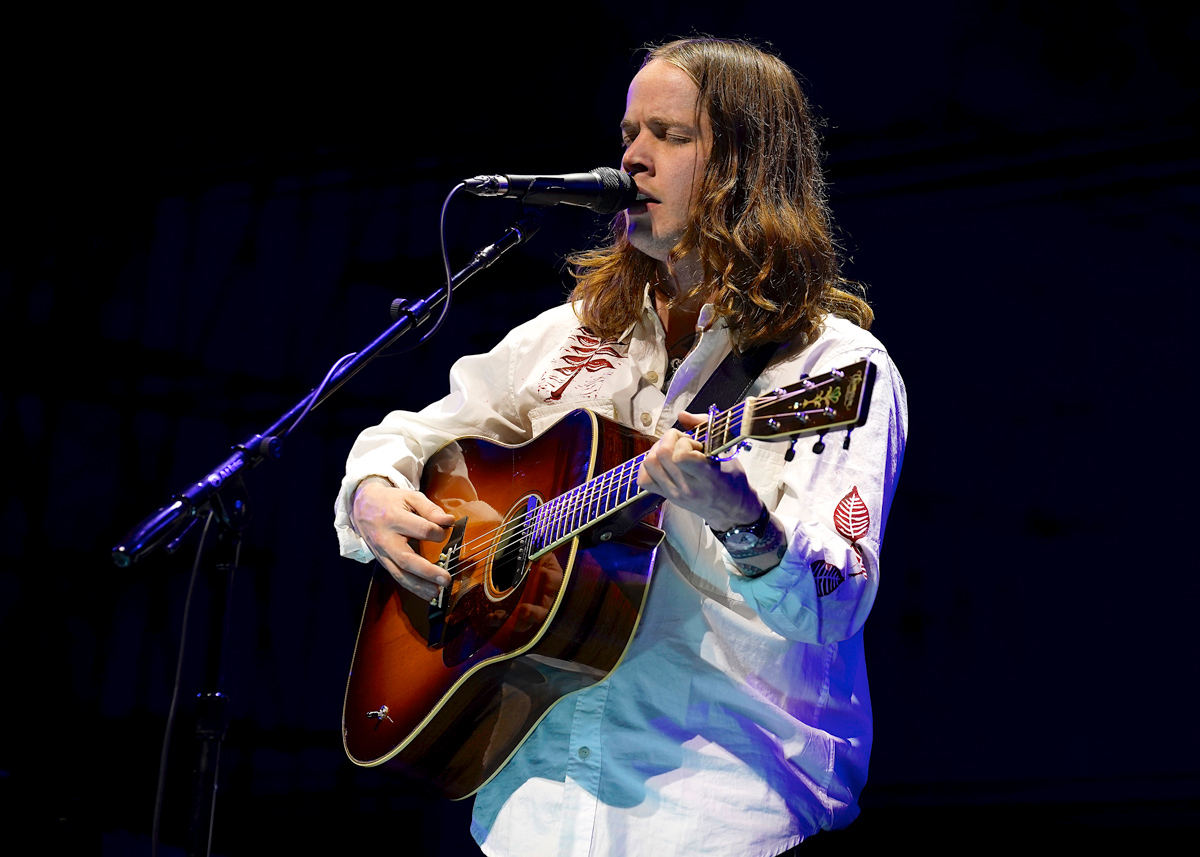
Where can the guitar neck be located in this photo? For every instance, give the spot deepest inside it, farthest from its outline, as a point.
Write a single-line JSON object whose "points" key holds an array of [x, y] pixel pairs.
{"points": [[559, 520], [838, 399]]}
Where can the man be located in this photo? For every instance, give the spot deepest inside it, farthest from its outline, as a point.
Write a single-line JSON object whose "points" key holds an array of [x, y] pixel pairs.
{"points": [[738, 721]]}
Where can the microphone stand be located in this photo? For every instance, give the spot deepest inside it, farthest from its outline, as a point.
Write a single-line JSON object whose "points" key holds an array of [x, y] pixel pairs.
{"points": [[222, 493]]}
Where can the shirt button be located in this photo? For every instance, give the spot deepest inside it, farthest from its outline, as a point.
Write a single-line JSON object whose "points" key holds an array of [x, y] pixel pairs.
{"points": [[584, 752], [645, 419], [652, 377]]}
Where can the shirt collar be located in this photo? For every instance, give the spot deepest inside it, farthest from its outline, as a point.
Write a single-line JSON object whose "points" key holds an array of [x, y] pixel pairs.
{"points": [[707, 320]]}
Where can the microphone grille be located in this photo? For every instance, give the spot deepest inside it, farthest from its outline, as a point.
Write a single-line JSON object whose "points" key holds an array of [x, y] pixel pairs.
{"points": [[618, 191]]}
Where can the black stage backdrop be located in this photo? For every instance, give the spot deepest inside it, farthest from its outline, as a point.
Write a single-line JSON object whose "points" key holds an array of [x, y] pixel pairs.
{"points": [[203, 213]]}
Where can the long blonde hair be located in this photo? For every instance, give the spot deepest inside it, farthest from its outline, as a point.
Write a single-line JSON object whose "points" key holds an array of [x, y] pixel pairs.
{"points": [[759, 224]]}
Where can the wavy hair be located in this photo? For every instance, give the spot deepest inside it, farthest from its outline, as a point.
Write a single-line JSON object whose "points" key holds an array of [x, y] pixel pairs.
{"points": [[759, 222]]}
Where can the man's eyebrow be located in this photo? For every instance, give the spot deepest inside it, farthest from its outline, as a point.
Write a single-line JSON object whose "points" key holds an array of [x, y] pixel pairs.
{"points": [[660, 123]]}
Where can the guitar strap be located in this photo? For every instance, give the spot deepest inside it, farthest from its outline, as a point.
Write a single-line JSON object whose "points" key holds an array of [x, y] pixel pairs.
{"points": [[732, 379]]}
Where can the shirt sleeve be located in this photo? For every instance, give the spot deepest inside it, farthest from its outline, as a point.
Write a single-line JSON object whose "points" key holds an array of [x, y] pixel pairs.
{"points": [[834, 506], [480, 403]]}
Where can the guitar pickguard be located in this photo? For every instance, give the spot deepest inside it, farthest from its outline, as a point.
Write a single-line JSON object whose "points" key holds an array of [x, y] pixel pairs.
{"points": [[487, 583], [440, 605]]}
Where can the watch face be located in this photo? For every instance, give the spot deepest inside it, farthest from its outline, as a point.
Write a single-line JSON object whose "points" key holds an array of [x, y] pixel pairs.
{"points": [[741, 540]]}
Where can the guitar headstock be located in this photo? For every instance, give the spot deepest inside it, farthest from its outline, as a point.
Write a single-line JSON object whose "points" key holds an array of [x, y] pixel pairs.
{"points": [[838, 399]]}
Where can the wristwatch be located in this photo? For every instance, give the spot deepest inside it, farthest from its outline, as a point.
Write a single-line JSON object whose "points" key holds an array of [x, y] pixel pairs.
{"points": [[745, 538]]}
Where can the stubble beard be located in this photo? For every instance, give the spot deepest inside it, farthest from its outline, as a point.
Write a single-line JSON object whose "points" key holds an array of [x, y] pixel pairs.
{"points": [[641, 237]]}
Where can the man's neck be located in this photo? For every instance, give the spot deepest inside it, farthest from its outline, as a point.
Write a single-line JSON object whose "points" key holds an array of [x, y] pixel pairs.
{"points": [[687, 274], [677, 312]]}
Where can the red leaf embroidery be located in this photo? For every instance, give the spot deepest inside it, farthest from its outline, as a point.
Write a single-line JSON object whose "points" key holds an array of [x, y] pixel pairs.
{"points": [[852, 517], [585, 354]]}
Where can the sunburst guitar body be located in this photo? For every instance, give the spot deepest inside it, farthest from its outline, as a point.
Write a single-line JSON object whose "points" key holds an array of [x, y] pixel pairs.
{"points": [[448, 695]]}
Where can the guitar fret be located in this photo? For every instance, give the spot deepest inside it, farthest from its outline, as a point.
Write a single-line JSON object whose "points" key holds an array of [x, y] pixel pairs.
{"points": [[543, 521], [594, 497], [598, 505], [576, 508], [589, 505], [581, 511], [568, 511], [629, 483], [801, 407], [556, 531], [605, 482]]}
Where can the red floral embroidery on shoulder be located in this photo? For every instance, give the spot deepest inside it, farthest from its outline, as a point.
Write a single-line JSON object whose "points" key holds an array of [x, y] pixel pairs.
{"points": [[852, 519], [581, 359]]}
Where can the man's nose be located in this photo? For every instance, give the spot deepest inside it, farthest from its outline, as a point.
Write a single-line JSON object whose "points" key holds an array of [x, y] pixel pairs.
{"points": [[635, 160]]}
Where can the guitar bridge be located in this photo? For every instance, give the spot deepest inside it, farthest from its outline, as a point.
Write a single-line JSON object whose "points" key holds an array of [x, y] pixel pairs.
{"points": [[439, 605]]}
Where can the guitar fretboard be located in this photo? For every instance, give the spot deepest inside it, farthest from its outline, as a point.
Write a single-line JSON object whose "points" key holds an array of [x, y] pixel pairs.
{"points": [[567, 515]]}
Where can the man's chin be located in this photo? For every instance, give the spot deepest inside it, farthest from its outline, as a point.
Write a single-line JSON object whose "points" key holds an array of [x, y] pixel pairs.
{"points": [[654, 247]]}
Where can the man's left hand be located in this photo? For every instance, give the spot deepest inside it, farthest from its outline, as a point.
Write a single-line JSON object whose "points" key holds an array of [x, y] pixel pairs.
{"points": [[677, 468]]}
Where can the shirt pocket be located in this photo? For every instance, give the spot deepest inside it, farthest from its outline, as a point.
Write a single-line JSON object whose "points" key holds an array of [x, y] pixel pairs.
{"points": [[541, 418]]}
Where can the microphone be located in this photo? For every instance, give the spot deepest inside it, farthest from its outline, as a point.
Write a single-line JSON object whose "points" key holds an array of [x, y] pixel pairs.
{"points": [[604, 190]]}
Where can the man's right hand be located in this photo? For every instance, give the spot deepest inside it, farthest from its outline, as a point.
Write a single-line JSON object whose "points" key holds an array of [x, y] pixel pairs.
{"points": [[386, 518]]}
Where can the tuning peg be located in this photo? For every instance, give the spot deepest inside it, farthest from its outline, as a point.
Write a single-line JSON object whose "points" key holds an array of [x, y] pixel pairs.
{"points": [[846, 442], [791, 453], [819, 446]]}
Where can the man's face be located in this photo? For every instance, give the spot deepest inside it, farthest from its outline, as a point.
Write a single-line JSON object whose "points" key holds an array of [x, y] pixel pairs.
{"points": [[666, 147]]}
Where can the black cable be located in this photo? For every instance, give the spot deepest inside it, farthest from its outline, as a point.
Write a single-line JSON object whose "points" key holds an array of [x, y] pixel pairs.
{"points": [[162, 765]]}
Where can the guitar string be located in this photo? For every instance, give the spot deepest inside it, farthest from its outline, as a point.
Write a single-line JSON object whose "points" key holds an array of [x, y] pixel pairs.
{"points": [[559, 511], [576, 499], [553, 517], [524, 526], [582, 500], [590, 493]]}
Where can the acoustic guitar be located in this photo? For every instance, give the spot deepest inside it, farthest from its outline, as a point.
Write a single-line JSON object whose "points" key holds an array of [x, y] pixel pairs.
{"points": [[550, 556]]}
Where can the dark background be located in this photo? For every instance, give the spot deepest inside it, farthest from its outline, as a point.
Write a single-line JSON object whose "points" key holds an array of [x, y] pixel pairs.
{"points": [[203, 213]]}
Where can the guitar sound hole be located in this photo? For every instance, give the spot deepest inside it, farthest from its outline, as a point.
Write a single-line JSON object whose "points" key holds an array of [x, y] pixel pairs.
{"points": [[479, 611], [509, 564]]}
